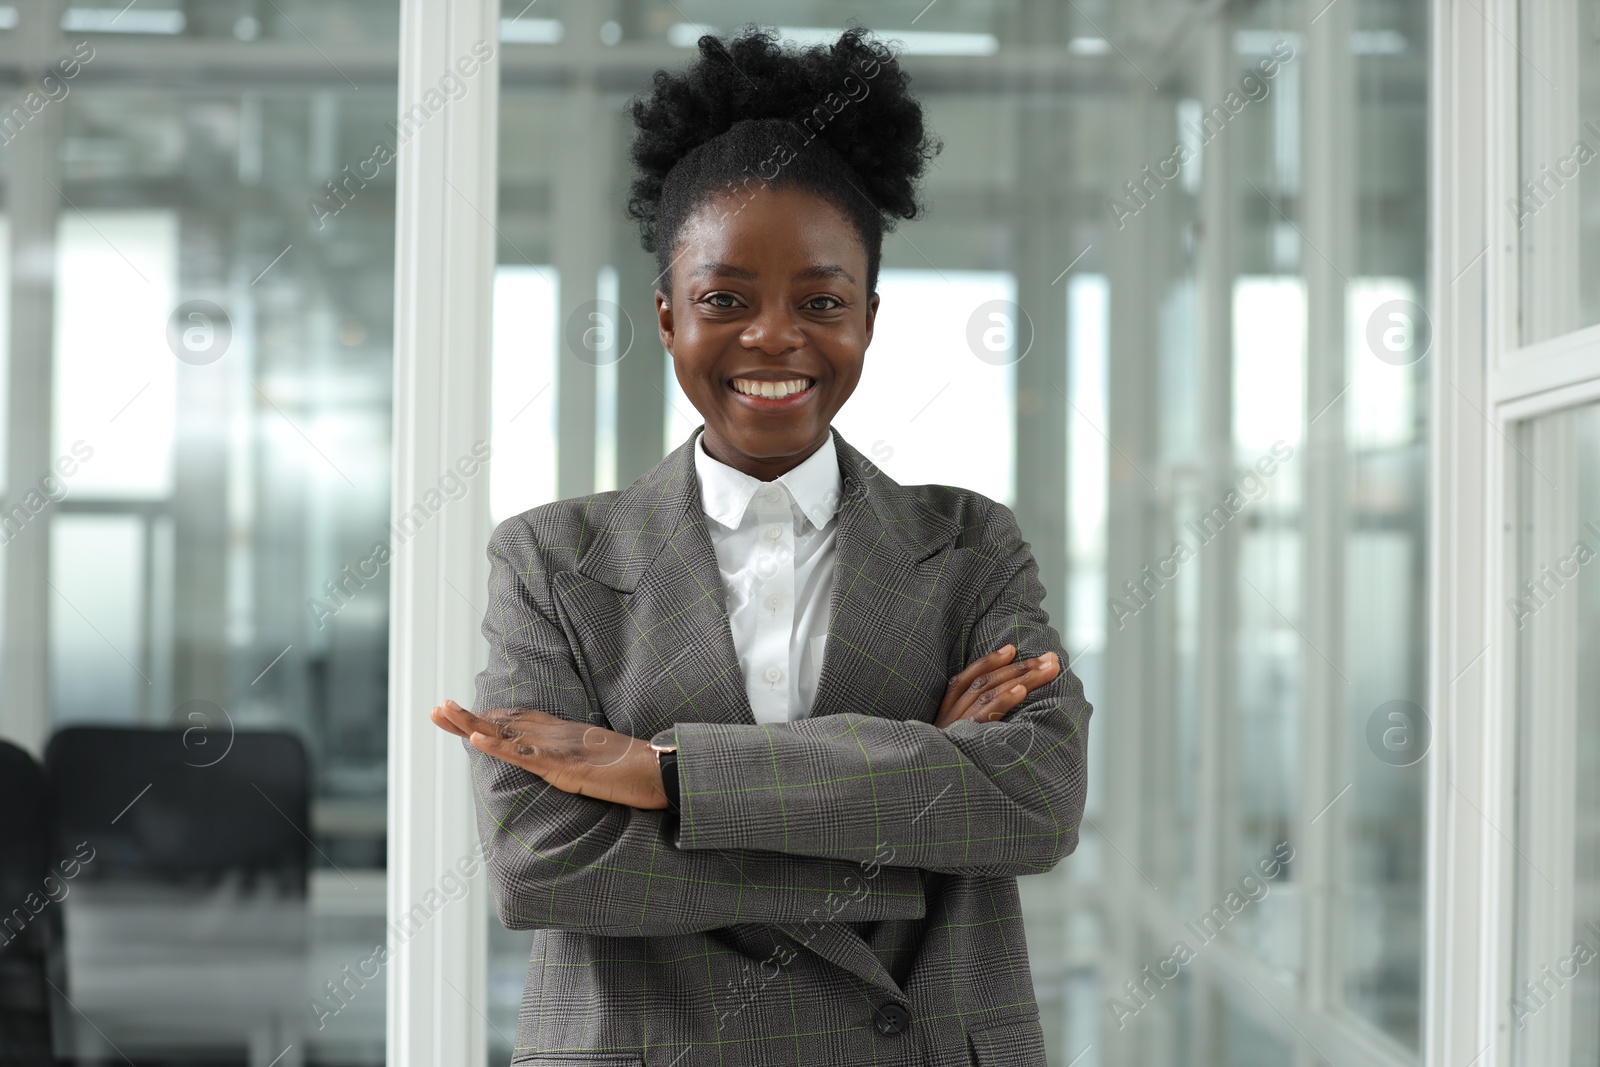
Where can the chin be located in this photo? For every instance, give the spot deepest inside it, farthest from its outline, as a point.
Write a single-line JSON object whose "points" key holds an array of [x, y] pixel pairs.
{"points": [[769, 442]]}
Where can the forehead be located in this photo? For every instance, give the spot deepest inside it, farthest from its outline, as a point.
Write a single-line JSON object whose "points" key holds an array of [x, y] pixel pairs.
{"points": [[763, 230]]}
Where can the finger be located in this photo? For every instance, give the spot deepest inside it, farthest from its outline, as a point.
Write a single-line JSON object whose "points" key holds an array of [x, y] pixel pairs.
{"points": [[464, 720], [445, 723], [1000, 677], [1005, 702], [531, 716], [998, 701], [493, 721], [1032, 673], [963, 680], [1039, 671], [994, 659], [520, 752]]}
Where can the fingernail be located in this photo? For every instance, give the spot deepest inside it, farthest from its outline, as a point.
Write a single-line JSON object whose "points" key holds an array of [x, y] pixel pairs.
{"points": [[1019, 689]]}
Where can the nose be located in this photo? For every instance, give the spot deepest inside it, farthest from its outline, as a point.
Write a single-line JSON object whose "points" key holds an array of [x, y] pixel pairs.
{"points": [[774, 330]]}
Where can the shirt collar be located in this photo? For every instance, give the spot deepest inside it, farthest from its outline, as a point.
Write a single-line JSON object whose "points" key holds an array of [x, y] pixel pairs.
{"points": [[726, 493]]}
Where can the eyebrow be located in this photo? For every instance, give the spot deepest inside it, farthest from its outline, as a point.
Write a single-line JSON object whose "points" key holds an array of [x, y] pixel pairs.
{"points": [[818, 272]]}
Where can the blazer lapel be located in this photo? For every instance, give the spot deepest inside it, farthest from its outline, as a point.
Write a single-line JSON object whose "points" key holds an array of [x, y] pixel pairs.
{"points": [[878, 651], [653, 544]]}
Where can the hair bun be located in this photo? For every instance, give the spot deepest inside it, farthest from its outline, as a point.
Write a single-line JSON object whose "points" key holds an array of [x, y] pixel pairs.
{"points": [[851, 94]]}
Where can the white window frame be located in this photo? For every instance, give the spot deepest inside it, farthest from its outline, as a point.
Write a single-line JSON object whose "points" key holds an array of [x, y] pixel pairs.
{"points": [[445, 203], [1487, 386]]}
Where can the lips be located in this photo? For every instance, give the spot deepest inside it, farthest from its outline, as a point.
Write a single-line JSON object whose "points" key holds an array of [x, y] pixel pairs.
{"points": [[773, 394]]}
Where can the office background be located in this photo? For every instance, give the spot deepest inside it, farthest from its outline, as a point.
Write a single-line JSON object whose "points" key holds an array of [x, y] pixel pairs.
{"points": [[1173, 303]]}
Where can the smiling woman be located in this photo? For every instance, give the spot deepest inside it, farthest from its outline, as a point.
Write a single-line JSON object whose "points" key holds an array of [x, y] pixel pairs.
{"points": [[767, 728]]}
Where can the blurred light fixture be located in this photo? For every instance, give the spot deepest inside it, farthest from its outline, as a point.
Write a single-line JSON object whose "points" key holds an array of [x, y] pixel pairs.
{"points": [[531, 31], [912, 42], [123, 20]]}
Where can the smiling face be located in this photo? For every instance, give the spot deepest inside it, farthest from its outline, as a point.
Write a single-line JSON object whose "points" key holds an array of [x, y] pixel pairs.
{"points": [[768, 324]]}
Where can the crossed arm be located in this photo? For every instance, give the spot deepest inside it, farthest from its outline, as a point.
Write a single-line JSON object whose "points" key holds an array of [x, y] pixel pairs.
{"points": [[571, 812]]}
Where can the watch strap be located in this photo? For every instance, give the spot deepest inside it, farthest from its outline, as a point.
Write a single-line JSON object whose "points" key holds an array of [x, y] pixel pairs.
{"points": [[668, 761]]}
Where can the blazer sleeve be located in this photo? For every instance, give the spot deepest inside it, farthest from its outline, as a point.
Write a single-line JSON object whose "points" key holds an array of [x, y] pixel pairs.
{"points": [[560, 860], [1000, 798]]}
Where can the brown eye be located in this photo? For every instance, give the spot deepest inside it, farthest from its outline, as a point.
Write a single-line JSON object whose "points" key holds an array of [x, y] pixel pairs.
{"points": [[837, 303], [721, 296]]}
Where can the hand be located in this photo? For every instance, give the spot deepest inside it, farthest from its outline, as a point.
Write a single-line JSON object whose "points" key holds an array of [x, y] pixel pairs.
{"points": [[990, 687], [574, 757]]}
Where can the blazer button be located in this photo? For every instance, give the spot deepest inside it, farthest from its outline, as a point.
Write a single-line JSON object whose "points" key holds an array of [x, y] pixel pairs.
{"points": [[892, 1018]]}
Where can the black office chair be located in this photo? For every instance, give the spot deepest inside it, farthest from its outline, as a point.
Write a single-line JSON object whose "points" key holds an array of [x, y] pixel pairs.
{"points": [[156, 808], [30, 919], [186, 929]]}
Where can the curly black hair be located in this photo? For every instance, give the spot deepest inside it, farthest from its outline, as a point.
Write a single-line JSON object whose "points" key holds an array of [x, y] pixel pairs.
{"points": [[834, 119]]}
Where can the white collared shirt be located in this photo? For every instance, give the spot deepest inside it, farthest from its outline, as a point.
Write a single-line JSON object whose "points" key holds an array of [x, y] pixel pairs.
{"points": [[776, 547]]}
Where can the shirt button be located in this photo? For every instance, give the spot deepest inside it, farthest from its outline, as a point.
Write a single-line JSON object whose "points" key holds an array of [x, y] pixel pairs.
{"points": [[774, 533], [771, 495], [774, 675], [891, 1018], [774, 602]]}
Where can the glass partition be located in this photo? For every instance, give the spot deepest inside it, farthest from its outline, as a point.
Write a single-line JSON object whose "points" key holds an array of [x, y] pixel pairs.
{"points": [[197, 535], [1556, 208], [1555, 615], [1215, 223]]}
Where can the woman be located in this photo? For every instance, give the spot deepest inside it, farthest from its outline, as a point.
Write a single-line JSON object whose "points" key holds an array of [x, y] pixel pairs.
{"points": [[765, 738]]}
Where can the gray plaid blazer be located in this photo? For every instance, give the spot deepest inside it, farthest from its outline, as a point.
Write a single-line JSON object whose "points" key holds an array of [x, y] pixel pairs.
{"points": [[840, 890]]}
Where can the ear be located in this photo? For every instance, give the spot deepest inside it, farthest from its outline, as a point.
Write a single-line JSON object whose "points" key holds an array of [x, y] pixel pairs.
{"points": [[872, 316], [664, 320]]}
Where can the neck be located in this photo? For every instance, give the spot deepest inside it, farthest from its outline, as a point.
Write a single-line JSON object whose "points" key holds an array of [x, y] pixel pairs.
{"points": [[761, 468]]}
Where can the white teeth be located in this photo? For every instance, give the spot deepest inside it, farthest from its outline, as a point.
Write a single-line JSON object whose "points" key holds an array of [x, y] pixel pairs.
{"points": [[772, 390]]}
